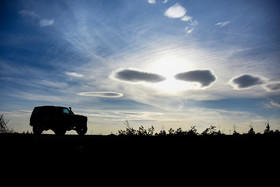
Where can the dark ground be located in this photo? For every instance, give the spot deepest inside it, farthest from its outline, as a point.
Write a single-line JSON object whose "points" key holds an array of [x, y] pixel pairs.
{"points": [[139, 158]]}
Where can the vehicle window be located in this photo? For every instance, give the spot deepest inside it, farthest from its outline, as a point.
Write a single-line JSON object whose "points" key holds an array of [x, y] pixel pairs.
{"points": [[36, 110], [65, 111]]}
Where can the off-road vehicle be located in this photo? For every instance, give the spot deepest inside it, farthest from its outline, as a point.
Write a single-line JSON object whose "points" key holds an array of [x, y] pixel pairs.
{"points": [[57, 118]]}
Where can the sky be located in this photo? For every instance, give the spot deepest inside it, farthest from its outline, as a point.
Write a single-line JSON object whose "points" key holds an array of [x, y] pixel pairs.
{"points": [[162, 63]]}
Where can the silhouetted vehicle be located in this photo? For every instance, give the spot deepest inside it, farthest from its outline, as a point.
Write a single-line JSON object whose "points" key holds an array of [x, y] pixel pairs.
{"points": [[57, 118]]}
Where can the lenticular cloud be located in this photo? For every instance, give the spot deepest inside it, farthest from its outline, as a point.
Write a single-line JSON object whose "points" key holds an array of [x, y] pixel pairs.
{"points": [[273, 86], [130, 75], [204, 77], [101, 94], [245, 81]]}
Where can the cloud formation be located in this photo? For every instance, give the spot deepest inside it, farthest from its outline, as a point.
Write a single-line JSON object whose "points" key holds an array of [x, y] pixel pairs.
{"points": [[74, 74], [152, 1], [42, 21], [273, 86], [46, 22], [222, 24], [101, 94], [189, 30], [28, 13], [204, 77], [275, 104], [175, 11], [186, 18], [130, 75], [245, 81]]}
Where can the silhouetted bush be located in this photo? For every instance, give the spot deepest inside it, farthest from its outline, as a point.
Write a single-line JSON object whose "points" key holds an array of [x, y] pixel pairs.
{"points": [[140, 132], [267, 129], [161, 133], [3, 125], [251, 131], [192, 131], [210, 131], [128, 131]]}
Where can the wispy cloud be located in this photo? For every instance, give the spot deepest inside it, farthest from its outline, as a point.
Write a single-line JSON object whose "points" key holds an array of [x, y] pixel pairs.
{"points": [[28, 13], [186, 18], [43, 22], [177, 11], [74, 74], [275, 104], [272, 86], [222, 24], [46, 22], [39, 97], [189, 30], [152, 1]]}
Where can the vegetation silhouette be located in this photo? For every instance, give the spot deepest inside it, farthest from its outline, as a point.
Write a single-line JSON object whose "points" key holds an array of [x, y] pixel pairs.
{"points": [[210, 131], [150, 131], [174, 151], [3, 125]]}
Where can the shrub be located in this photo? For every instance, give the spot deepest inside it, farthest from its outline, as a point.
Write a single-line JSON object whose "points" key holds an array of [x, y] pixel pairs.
{"points": [[3, 125], [210, 131]]}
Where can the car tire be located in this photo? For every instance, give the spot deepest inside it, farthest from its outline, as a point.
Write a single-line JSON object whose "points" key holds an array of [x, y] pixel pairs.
{"points": [[37, 130], [82, 130]]}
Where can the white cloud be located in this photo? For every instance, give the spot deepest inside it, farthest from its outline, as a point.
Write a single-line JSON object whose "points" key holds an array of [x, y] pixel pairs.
{"points": [[42, 22], [46, 22], [52, 84], [194, 23], [175, 11], [28, 13], [74, 74], [275, 104], [222, 24], [152, 1], [189, 30], [186, 18]]}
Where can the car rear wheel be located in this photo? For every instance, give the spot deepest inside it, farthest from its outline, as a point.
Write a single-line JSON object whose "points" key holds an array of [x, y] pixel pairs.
{"points": [[81, 130], [37, 130]]}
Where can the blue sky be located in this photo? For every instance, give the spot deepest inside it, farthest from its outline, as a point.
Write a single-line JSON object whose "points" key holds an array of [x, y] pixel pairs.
{"points": [[166, 63]]}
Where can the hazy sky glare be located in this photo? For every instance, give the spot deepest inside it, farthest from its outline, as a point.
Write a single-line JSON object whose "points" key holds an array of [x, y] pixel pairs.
{"points": [[167, 63]]}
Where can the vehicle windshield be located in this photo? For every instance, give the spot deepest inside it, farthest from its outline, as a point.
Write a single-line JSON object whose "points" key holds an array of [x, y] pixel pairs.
{"points": [[66, 111]]}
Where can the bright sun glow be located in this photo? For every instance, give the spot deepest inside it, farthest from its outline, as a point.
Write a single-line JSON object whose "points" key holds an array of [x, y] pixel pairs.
{"points": [[169, 66]]}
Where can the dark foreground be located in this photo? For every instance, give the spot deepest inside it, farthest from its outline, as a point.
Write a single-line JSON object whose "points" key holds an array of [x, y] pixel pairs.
{"points": [[216, 156]]}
